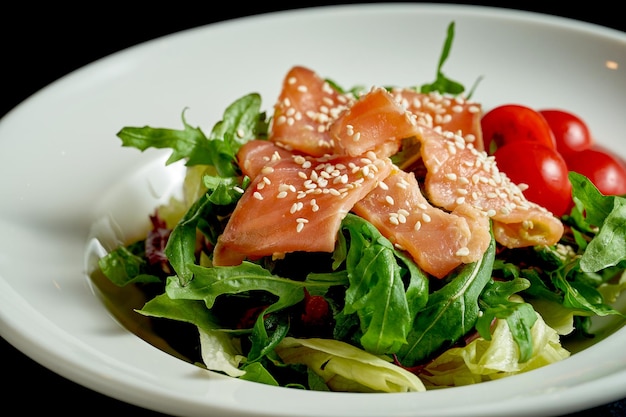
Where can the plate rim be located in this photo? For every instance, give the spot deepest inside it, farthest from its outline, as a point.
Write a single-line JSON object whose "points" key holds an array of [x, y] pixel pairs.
{"points": [[41, 353]]}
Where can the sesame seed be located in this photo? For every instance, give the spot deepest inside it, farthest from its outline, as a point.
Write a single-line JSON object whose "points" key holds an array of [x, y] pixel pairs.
{"points": [[399, 246], [257, 195], [464, 251], [403, 212]]}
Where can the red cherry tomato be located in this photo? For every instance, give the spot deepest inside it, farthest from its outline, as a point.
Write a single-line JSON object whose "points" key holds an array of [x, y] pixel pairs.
{"points": [[512, 123], [540, 167], [604, 169], [570, 131]]}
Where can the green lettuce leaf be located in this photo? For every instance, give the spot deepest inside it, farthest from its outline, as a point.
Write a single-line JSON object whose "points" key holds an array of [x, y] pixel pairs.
{"points": [[484, 360], [347, 368]]}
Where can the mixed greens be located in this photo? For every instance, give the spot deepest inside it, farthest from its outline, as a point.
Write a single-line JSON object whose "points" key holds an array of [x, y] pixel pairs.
{"points": [[364, 317]]}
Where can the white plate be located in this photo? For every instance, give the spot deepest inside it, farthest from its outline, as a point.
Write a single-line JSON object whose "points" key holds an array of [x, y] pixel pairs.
{"points": [[63, 169]]}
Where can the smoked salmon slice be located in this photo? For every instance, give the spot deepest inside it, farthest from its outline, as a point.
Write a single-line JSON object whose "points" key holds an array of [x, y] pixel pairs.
{"points": [[437, 240], [296, 203], [256, 154], [453, 114], [306, 106], [459, 174], [375, 122]]}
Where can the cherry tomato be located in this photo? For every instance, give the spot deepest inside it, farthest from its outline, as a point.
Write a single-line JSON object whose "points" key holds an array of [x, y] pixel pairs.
{"points": [[512, 123], [571, 133], [603, 168], [540, 167]]}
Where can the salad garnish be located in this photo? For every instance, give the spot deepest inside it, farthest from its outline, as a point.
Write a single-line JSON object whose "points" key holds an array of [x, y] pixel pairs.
{"points": [[363, 240]]}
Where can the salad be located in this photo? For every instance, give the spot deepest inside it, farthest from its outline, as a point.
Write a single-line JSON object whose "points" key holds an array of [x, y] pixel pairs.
{"points": [[366, 240]]}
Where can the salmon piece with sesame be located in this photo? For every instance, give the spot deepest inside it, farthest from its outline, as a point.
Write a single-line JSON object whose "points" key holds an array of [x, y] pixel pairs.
{"points": [[458, 174], [374, 122], [454, 114], [256, 154], [295, 203], [437, 240], [306, 106]]}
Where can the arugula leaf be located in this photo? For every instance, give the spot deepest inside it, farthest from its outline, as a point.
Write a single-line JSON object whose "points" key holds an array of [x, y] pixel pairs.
{"points": [[242, 121], [181, 245], [182, 142], [188, 311], [442, 83], [602, 219], [264, 342], [582, 297], [496, 303], [612, 235], [256, 372], [376, 291], [451, 312], [211, 282], [597, 207]]}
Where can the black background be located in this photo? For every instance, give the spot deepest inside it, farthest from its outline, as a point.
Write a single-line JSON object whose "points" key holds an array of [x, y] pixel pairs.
{"points": [[41, 43]]}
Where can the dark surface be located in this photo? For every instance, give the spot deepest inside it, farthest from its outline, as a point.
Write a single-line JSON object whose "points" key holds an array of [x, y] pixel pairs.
{"points": [[43, 43]]}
